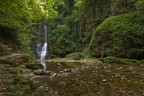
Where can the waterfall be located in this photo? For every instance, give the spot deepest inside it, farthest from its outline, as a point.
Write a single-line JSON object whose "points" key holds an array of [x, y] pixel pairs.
{"points": [[43, 52], [42, 45]]}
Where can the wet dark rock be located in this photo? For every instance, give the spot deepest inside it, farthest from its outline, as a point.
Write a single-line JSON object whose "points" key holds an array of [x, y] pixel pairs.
{"points": [[34, 66], [59, 64], [129, 69], [67, 70], [140, 94]]}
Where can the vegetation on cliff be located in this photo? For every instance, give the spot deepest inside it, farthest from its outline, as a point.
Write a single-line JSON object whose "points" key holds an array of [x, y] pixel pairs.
{"points": [[18, 20], [98, 28], [120, 36]]}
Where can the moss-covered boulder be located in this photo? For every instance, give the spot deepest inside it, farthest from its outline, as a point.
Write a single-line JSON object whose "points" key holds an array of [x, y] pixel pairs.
{"points": [[120, 36]]}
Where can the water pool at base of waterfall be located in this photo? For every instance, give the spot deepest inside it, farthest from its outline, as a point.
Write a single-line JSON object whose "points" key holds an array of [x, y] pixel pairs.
{"points": [[100, 79]]}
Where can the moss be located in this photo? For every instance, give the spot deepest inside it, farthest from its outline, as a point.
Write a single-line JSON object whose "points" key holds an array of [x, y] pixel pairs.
{"points": [[117, 60], [61, 40], [18, 85], [120, 36], [4, 49], [16, 59], [75, 56], [15, 70]]}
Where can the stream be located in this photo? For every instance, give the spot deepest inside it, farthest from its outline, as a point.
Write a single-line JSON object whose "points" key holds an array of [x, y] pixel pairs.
{"points": [[90, 79]]}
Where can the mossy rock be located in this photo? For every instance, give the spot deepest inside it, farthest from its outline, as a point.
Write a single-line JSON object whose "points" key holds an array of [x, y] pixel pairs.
{"points": [[16, 59], [120, 36], [34, 66], [41, 72], [10, 62]]}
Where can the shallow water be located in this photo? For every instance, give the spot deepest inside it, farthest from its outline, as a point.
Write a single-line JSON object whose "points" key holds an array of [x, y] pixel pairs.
{"points": [[78, 79], [57, 67]]}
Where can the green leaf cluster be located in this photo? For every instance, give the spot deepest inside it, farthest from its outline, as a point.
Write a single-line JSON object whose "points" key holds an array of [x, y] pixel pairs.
{"points": [[60, 41], [15, 14]]}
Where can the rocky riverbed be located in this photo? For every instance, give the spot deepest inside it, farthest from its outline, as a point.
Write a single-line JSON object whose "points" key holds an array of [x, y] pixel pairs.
{"points": [[70, 78], [91, 79], [13, 83]]}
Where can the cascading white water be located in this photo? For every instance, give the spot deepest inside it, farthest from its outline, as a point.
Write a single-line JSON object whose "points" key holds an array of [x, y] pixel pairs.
{"points": [[43, 52], [42, 46]]}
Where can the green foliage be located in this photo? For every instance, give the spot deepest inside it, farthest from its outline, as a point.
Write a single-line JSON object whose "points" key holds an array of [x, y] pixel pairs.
{"points": [[122, 6], [19, 85], [71, 24], [15, 14], [4, 49], [75, 56], [61, 41], [116, 60], [15, 17], [93, 12], [24, 40], [69, 16], [36, 11], [120, 36], [93, 7], [140, 5]]}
